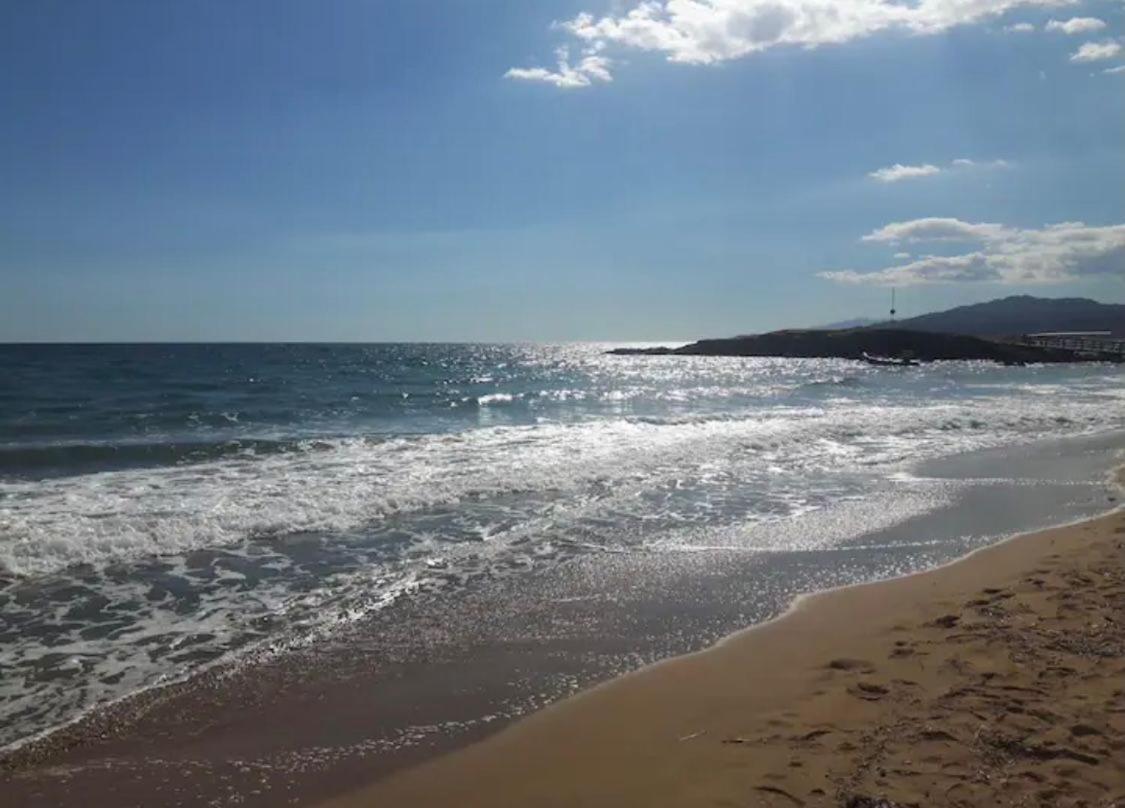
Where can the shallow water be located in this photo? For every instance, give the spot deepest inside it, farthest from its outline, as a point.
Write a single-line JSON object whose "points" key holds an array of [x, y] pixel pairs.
{"points": [[166, 507]]}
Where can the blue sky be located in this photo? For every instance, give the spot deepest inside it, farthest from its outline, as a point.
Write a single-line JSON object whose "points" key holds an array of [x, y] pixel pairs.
{"points": [[413, 171]]}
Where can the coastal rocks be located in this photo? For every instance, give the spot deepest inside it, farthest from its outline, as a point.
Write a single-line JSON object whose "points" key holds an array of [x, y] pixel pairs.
{"points": [[854, 343]]}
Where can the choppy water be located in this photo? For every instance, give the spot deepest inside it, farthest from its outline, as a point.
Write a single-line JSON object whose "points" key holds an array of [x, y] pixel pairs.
{"points": [[164, 507]]}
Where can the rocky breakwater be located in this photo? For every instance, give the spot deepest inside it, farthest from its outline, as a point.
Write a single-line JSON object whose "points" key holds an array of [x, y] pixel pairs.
{"points": [[853, 343]]}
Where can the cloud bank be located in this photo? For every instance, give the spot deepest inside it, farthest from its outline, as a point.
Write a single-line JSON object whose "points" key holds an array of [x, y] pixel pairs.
{"points": [[710, 31], [1053, 254]]}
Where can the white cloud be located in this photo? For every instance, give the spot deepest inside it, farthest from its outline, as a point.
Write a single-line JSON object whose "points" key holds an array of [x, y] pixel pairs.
{"points": [[710, 31], [901, 256], [1114, 70], [965, 162], [899, 172], [934, 229], [1076, 25], [1096, 51], [1019, 28], [1052, 254], [590, 68], [929, 269]]}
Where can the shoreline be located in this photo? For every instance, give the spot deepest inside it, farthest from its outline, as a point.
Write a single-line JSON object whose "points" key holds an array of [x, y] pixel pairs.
{"points": [[209, 740], [1115, 479], [629, 741]]}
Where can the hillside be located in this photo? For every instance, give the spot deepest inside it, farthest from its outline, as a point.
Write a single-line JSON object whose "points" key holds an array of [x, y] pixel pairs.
{"points": [[1021, 314], [858, 322]]}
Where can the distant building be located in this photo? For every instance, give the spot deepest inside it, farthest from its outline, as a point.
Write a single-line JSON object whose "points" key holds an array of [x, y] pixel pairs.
{"points": [[1086, 342]]}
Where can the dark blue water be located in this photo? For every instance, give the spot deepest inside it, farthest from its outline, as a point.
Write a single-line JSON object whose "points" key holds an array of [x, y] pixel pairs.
{"points": [[70, 407], [164, 507]]}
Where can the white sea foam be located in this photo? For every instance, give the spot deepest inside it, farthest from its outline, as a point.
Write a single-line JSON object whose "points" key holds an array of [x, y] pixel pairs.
{"points": [[496, 398], [347, 484]]}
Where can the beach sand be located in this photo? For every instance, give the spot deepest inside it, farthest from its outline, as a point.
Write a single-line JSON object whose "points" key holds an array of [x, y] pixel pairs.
{"points": [[997, 680]]}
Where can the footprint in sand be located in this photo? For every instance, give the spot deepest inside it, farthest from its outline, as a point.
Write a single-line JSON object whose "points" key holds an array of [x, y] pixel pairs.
{"points": [[846, 664], [780, 792], [1083, 730], [945, 621], [868, 691]]}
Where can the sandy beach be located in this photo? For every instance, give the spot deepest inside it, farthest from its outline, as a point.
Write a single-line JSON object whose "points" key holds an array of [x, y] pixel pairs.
{"points": [[998, 679]]}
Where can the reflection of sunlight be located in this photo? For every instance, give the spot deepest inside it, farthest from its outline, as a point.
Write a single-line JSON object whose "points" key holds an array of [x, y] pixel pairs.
{"points": [[552, 453]]}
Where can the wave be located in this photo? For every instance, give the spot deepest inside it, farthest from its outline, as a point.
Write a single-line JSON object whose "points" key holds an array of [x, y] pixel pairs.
{"points": [[345, 485], [497, 398], [834, 381]]}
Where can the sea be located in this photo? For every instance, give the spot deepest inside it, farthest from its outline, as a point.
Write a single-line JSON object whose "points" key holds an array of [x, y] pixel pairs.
{"points": [[166, 509]]}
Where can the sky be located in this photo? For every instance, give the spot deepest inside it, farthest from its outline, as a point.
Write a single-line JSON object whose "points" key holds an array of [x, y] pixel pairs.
{"points": [[495, 170]]}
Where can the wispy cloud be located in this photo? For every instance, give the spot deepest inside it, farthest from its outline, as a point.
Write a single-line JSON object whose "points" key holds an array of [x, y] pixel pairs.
{"points": [[1001, 254], [1076, 25], [590, 68], [929, 269], [1115, 70], [710, 31], [1019, 28], [965, 162], [899, 172], [1096, 51]]}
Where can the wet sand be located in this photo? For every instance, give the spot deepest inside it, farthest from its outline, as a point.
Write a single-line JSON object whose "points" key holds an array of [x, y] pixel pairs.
{"points": [[998, 679]]}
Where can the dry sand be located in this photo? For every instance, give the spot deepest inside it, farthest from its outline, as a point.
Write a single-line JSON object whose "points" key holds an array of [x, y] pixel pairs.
{"points": [[998, 680]]}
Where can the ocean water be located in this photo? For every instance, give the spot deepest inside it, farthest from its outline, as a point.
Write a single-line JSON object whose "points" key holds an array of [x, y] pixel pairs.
{"points": [[164, 508]]}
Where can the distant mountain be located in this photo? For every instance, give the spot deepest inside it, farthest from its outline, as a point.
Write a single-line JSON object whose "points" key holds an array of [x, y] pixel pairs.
{"points": [[858, 322], [1022, 314]]}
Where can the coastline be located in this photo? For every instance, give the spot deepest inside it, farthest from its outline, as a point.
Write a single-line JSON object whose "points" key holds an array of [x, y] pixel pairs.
{"points": [[889, 690], [311, 728]]}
